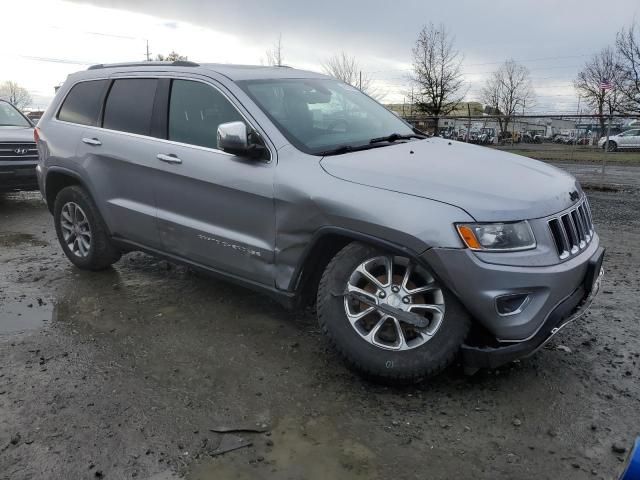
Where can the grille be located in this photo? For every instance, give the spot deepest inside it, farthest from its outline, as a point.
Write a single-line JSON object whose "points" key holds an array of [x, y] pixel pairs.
{"points": [[572, 230], [18, 151]]}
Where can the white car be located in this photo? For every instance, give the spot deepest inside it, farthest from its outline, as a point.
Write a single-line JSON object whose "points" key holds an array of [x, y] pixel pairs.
{"points": [[628, 139]]}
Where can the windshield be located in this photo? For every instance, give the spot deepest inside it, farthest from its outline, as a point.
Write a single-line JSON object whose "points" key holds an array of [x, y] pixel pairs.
{"points": [[11, 117], [318, 115]]}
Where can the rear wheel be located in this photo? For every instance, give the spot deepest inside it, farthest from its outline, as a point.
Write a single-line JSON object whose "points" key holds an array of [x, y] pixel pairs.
{"points": [[387, 316], [81, 231]]}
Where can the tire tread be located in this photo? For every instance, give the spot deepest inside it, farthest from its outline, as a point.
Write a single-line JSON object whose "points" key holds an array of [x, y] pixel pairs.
{"points": [[412, 376]]}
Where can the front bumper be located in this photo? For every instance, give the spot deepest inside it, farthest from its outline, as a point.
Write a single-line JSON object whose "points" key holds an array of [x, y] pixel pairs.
{"points": [[571, 309], [18, 177], [478, 284]]}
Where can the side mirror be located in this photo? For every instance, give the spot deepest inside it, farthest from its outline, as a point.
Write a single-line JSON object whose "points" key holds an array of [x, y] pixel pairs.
{"points": [[235, 138]]}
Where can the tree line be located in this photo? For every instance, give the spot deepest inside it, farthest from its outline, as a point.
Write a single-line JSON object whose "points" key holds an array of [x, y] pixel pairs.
{"points": [[438, 82], [618, 65]]}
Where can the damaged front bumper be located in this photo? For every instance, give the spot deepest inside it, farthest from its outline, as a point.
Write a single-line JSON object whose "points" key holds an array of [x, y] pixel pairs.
{"points": [[573, 307]]}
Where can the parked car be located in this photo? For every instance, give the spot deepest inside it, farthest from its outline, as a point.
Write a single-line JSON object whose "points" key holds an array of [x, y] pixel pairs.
{"points": [[487, 136], [18, 154], [509, 137], [413, 249], [531, 137], [629, 139]]}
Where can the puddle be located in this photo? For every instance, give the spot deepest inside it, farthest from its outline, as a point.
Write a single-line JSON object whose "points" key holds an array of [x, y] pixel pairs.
{"points": [[27, 314], [311, 450], [14, 239]]}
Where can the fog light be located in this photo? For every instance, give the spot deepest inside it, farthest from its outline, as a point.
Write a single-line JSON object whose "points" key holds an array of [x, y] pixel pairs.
{"points": [[512, 303]]}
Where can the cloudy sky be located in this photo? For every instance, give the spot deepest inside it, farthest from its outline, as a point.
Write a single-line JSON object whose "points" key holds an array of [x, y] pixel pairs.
{"points": [[552, 38]]}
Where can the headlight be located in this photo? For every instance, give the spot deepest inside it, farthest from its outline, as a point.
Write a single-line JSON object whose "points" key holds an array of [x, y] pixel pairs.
{"points": [[497, 237]]}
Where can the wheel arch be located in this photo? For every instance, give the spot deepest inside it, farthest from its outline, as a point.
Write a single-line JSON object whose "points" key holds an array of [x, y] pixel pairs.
{"points": [[325, 243], [58, 178]]}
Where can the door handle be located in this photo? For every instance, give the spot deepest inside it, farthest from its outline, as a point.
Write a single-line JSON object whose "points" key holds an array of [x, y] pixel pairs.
{"points": [[168, 158], [92, 141]]}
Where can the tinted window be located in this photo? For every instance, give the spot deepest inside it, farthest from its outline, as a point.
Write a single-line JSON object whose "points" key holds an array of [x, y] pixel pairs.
{"points": [[195, 111], [83, 103], [129, 105]]}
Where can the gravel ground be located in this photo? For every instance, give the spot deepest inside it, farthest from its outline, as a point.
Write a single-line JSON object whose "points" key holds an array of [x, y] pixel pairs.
{"points": [[616, 177], [126, 373]]}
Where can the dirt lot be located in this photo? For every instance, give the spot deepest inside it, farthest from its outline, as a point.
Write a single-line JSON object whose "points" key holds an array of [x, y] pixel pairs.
{"points": [[125, 374]]}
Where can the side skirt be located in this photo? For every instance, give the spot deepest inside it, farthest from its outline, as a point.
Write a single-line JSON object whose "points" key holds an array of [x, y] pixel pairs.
{"points": [[288, 300]]}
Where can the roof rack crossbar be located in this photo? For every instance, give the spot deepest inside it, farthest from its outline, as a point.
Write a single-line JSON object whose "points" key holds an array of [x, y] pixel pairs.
{"points": [[176, 63]]}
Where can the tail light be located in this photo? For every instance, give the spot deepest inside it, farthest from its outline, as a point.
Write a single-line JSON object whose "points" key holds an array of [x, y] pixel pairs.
{"points": [[36, 135]]}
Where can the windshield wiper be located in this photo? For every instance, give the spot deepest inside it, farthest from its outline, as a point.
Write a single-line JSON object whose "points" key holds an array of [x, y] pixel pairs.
{"points": [[372, 144], [394, 137], [345, 149]]}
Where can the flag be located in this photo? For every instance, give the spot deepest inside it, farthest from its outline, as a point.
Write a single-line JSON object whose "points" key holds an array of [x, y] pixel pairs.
{"points": [[606, 85]]}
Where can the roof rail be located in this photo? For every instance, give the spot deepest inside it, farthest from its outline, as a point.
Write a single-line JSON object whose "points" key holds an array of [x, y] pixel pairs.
{"points": [[176, 63]]}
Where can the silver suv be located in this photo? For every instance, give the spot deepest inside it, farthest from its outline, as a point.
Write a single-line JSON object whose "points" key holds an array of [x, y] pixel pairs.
{"points": [[414, 249]]}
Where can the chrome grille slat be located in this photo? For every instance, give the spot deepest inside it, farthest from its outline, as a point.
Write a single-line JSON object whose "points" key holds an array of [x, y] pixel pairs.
{"points": [[572, 230], [8, 151]]}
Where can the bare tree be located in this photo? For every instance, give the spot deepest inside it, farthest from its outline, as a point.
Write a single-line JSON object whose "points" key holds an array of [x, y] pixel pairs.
{"points": [[602, 67], [172, 57], [347, 69], [15, 94], [275, 57], [628, 47], [437, 72], [507, 91]]}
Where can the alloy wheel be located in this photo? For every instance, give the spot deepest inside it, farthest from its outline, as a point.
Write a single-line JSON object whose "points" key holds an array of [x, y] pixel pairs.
{"points": [[398, 283], [76, 230]]}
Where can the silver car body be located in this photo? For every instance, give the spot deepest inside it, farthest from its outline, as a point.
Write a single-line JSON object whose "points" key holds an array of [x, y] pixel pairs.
{"points": [[260, 222]]}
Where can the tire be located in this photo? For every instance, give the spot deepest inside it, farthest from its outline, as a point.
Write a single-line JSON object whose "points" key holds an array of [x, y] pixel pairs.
{"points": [[377, 363], [100, 253], [612, 146]]}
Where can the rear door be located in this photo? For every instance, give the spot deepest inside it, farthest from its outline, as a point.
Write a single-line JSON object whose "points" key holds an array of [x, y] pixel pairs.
{"points": [[214, 208], [119, 159]]}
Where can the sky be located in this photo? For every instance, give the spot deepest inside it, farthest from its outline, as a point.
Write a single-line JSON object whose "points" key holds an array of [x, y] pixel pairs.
{"points": [[552, 38]]}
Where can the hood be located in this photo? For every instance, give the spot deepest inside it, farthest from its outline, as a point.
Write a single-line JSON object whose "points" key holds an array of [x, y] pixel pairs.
{"points": [[489, 184], [16, 134]]}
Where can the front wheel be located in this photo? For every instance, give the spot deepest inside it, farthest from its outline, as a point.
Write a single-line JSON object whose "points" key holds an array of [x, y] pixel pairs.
{"points": [[612, 146], [387, 316]]}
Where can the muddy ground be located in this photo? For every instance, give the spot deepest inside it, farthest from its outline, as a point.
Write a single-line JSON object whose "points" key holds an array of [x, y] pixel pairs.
{"points": [[123, 374]]}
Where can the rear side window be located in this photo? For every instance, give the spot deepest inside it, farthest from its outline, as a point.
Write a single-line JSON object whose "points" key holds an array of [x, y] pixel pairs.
{"points": [[129, 105], [83, 103], [195, 111]]}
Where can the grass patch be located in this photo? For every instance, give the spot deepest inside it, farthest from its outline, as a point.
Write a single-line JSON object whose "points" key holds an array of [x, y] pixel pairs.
{"points": [[579, 155]]}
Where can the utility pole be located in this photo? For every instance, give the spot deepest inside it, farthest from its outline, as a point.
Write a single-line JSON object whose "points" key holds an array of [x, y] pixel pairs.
{"points": [[606, 143], [468, 123], [148, 52], [360, 82], [411, 105]]}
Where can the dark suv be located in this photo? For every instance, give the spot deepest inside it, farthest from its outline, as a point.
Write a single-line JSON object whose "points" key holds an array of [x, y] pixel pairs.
{"points": [[18, 153]]}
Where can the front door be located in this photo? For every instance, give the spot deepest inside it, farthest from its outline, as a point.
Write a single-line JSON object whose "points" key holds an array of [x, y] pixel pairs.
{"points": [[214, 208]]}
